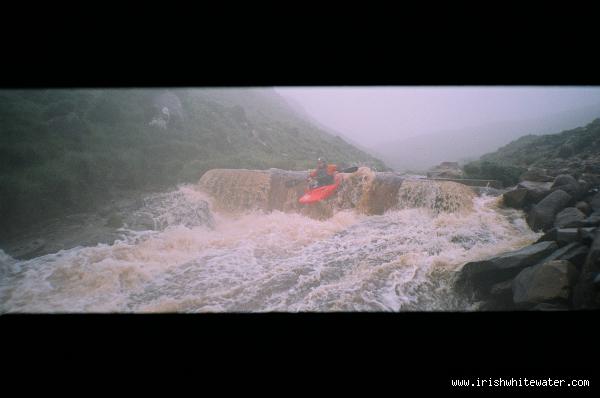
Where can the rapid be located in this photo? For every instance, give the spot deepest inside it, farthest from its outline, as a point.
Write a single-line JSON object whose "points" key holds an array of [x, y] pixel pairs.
{"points": [[238, 241]]}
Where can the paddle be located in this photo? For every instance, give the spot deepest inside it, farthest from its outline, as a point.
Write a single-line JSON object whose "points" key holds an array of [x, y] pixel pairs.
{"points": [[290, 184]]}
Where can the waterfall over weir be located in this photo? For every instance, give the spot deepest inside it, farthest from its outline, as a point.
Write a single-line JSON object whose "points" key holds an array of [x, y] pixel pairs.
{"points": [[240, 241], [364, 191]]}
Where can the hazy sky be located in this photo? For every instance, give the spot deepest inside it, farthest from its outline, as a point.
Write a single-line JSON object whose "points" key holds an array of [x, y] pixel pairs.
{"points": [[371, 115]]}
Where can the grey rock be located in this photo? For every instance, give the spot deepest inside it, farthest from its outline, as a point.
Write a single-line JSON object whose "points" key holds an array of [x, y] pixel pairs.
{"points": [[596, 280], [542, 215], [593, 221], [167, 110], [563, 179], [584, 207], [567, 235], [536, 174], [501, 288], [501, 296], [576, 255], [526, 194], [595, 203], [569, 217], [536, 191], [593, 179], [569, 184], [515, 198], [548, 281], [585, 295], [586, 235], [584, 185], [168, 100], [548, 236], [574, 252], [479, 276]]}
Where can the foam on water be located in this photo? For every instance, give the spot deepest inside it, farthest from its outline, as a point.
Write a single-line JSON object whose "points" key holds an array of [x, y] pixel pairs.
{"points": [[102, 278], [401, 260]]}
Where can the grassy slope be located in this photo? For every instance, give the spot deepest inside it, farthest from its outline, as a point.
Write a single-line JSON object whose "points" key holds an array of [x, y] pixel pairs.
{"points": [[63, 151], [508, 162]]}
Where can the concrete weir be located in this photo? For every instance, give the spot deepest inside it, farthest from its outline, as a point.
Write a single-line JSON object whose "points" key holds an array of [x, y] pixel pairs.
{"points": [[472, 182], [364, 191], [237, 190]]}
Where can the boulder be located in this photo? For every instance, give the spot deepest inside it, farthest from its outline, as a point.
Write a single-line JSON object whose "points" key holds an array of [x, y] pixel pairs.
{"points": [[586, 235], [536, 191], [567, 235], [536, 174], [584, 185], [564, 179], [570, 217], [593, 179], [501, 296], [584, 207], [550, 281], [576, 255], [585, 296], [526, 193], [541, 216], [593, 220], [569, 184], [595, 202], [167, 110], [574, 252], [592, 167], [515, 198], [170, 101], [548, 236], [479, 276]]}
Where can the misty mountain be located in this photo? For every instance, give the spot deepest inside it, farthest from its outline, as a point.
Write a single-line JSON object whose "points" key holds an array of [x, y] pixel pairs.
{"points": [[299, 109], [71, 150], [424, 151]]}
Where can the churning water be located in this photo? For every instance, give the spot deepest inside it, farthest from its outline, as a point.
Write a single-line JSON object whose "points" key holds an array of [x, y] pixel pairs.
{"points": [[178, 255]]}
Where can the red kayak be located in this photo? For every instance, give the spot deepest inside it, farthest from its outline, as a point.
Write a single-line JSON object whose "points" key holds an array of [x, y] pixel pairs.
{"points": [[320, 193]]}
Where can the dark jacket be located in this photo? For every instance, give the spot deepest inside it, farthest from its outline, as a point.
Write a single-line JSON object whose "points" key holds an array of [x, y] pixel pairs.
{"points": [[324, 175]]}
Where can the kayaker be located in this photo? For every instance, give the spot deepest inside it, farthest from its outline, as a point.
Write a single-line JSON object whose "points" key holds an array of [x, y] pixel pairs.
{"points": [[323, 174]]}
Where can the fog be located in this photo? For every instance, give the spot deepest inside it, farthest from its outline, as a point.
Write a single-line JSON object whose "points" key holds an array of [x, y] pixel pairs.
{"points": [[378, 117]]}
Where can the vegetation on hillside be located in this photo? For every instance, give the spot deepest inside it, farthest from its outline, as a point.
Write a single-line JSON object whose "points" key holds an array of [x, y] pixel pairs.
{"points": [[545, 151]]}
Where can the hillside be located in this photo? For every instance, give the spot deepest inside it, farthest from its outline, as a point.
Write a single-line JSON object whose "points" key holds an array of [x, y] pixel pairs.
{"points": [[301, 111], [424, 151], [64, 151], [574, 152]]}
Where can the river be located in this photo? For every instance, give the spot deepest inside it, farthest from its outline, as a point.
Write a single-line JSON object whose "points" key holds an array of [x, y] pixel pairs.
{"points": [[182, 252]]}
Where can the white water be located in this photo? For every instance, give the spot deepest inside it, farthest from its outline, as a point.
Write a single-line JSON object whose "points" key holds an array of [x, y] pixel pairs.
{"points": [[402, 260]]}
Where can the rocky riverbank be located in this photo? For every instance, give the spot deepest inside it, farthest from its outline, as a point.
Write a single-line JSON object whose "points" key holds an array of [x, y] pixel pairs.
{"points": [[561, 270]]}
